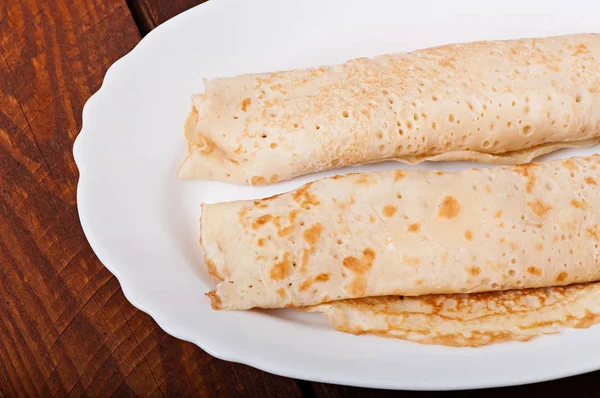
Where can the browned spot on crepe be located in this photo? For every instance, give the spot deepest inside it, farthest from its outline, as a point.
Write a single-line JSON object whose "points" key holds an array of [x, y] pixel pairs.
{"points": [[273, 146], [468, 235], [311, 235], [590, 180], [281, 232], [305, 285], [239, 150], [281, 292], [304, 198], [474, 270], [594, 232], [364, 179], [258, 180], [449, 208], [539, 208], [261, 204], [414, 227], [527, 171], [245, 103], [498, 214], [570, 165], [305, 258], [561, 276], [359, 267], [577, 203], [262, 220], [534, 271], [539, 247], [448, 62], [280, 270], [323, 277], [411, 260], [389, 210], [242, 216], [261, 242], [580, 49], [362, 265], [398, 175]]}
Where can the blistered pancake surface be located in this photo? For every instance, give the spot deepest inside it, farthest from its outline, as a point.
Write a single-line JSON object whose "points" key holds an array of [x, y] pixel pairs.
{"points": [[407, 233], [502, 102]]}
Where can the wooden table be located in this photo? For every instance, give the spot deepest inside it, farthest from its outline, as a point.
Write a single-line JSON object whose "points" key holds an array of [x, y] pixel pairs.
{"points": [[65, 326]]}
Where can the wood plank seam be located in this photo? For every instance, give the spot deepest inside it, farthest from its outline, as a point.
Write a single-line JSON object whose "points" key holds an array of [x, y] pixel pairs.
{"points": [[141, 16], [143, 354]]}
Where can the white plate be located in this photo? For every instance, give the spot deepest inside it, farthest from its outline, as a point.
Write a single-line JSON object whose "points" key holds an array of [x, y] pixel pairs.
{"points": [[143, 223]]}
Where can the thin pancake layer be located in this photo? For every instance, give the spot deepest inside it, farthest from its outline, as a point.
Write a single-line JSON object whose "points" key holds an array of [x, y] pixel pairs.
{"points": [[468, 319], [407, 233], [497, 102]]}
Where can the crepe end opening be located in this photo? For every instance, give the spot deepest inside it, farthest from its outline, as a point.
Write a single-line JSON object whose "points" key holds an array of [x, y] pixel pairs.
{"points": [[215, 301], [206, 161], [198, 144]]}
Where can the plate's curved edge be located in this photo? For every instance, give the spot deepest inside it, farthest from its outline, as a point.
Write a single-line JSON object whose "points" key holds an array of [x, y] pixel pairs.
{"points": [[214, 347], [78, 150]]}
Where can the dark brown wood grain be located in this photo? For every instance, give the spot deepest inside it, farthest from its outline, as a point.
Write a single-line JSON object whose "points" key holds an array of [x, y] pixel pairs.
{"points": [[65, 326]]}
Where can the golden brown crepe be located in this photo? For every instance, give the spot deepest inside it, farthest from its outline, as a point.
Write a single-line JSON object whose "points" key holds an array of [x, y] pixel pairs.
{"points": [[468, 319], [407, 233], [502, 102]]}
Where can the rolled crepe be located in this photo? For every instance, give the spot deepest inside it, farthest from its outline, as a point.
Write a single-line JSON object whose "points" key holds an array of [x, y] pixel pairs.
{"points": [[468, 320], [503, 102], [407, 233]]}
